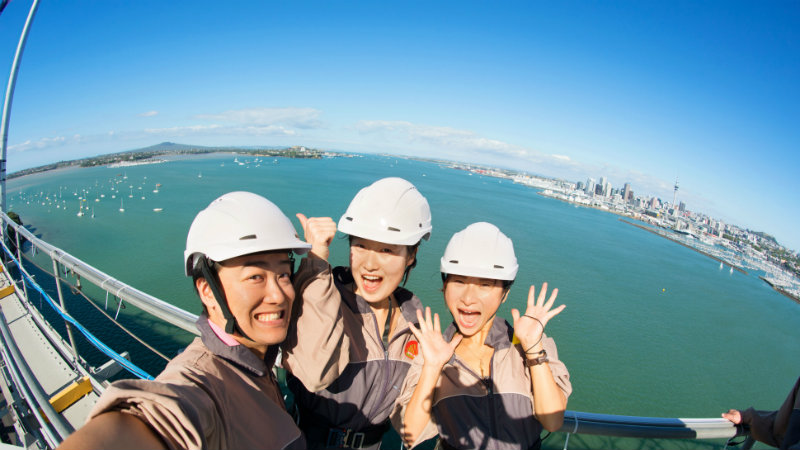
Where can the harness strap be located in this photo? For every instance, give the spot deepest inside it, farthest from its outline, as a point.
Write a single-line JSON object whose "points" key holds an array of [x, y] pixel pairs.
{"points": [[388, 325], [213, 283]]}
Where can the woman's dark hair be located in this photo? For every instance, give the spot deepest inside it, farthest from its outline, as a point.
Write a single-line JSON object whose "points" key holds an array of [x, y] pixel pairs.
{"points": [[506, 283]]}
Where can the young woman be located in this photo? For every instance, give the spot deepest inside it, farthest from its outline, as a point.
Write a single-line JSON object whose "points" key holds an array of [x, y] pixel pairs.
{"points": [[476, 385], [346, 401]]}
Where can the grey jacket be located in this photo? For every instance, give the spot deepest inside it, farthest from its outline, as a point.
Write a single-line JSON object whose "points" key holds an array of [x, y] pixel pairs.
{"points": [[495, 412], [368, 377]]}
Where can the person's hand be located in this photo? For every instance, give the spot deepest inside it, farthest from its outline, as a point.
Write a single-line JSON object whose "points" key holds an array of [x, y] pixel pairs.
{"points": [[435, 350], [319, 232], [733, 415], [530, 326]]}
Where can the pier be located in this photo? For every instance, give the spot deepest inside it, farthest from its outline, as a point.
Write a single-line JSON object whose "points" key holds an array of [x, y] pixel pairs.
{"points": [[685, 245]]}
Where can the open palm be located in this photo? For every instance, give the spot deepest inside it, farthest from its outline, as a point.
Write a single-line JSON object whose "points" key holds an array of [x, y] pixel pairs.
{"points": [[435, 350], [529, 327]]}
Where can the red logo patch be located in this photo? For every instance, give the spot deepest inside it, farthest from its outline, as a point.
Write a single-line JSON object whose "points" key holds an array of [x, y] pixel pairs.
{"points": [[412, 349]]}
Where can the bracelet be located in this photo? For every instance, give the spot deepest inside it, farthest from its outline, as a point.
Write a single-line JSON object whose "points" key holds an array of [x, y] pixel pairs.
{"points": [[540, 337], [534, 318], [536, 361]]}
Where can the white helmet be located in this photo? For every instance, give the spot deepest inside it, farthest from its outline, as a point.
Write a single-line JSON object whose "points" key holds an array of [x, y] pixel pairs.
{"points": [[390, 210], [480, 250], [240, 223]]}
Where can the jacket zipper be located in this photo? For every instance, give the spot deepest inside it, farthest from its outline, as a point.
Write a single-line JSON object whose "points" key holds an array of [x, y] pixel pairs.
{"points": [[488, 383], [490, 388]]}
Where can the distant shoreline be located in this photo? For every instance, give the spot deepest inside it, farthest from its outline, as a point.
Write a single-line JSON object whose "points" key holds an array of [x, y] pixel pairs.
{"points": [[168, 149]]}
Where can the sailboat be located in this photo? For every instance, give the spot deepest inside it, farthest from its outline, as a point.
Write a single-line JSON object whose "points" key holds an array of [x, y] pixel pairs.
{"points": [[121, 205]]}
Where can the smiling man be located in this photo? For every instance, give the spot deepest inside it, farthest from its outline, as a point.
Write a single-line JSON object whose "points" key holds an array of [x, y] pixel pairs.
{"points": [[220, 392]]}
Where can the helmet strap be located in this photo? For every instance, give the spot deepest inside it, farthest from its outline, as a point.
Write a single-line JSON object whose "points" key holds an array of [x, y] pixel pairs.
{"points": [[213, 282]]}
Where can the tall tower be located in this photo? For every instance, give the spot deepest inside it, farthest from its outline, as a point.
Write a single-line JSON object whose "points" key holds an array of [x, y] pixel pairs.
{"points": [[675, 195]]}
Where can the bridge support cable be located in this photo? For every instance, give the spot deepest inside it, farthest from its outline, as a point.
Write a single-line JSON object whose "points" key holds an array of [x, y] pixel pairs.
{"points": [[145, 302], [76, 290], [131, 367]]}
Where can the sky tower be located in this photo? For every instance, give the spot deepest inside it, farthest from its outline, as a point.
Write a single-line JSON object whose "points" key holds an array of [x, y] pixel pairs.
{"points": [[675, 195]]}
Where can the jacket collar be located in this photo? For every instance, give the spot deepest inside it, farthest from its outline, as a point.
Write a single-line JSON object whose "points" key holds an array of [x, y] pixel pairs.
{"points": [[237, 354]]}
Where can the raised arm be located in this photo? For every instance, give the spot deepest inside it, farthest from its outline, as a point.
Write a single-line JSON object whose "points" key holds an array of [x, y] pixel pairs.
{"points": [[113, 430], [549, 401], [319, 232], [435, 352], [316, 348]]}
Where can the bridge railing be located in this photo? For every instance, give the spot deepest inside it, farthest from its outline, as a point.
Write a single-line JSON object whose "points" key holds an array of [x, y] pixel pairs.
{"points": [[146, 302], [575, 422]]}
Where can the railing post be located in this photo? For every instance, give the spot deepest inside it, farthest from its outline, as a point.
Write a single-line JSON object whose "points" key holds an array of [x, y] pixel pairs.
{"points": [[57, 277], [19, 258]]}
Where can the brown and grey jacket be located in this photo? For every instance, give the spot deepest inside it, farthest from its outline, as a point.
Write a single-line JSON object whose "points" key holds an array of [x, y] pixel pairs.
{"points": [[495, 412], [211, 396], [368, 374]]}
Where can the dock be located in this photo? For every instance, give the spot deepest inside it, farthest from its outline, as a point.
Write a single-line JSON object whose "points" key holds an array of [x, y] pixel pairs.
{"points": [[780, 290], [685, 245]]}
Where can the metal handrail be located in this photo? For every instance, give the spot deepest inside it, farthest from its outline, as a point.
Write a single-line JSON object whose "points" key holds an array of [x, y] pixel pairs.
{"points": [[576, 422], [146, 302]]}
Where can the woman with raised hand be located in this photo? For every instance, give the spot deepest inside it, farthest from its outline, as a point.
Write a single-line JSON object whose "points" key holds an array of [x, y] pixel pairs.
{"points": [[481, 383], [345, 400]]}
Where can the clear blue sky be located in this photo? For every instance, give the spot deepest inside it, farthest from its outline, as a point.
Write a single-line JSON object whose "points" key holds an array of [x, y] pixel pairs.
{"points": [[638, 91]]}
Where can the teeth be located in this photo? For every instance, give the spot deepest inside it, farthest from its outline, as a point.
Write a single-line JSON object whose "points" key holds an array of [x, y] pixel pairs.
{"points": [[371, 277], [267, 317]]}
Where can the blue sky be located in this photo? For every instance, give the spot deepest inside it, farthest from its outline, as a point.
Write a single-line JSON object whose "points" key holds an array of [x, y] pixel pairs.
{"points": [[638, 91]]}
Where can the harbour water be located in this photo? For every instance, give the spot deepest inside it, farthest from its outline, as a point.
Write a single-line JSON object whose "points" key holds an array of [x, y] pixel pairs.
{"points": [[651, 328]]}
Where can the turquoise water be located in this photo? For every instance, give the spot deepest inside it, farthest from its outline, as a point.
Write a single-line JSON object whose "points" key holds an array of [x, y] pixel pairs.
{"points": [[651, 328]]}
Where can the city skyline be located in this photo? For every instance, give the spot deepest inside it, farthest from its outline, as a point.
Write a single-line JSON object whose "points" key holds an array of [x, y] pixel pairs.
{"points": [[639, 93]]}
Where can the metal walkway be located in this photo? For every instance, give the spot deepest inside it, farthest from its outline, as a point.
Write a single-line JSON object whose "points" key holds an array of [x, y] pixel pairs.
{"points": [[39, 369]]}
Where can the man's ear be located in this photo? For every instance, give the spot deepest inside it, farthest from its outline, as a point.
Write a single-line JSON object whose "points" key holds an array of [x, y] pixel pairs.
{"points": [[206, 294]]}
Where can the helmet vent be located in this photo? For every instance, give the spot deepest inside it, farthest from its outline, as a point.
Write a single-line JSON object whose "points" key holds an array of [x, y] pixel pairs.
{"points": [[349, 218], [498, 267], [454, 261], [392, 229], [248, 237]]}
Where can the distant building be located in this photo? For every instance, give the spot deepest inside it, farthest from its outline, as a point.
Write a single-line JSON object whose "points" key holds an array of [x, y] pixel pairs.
{"points": [[682, 207]]}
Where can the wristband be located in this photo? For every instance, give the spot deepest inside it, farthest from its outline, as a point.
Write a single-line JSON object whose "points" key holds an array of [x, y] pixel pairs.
{"points": [[530, 362]]}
